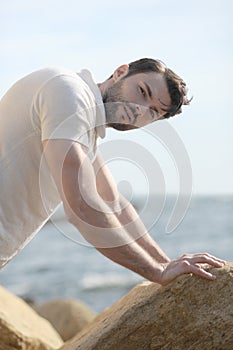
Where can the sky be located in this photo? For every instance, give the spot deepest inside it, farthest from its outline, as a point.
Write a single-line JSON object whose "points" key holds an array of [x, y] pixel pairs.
{"points": [[193, 38]]}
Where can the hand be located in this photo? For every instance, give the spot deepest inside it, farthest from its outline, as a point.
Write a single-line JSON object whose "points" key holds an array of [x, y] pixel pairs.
{"points": [[190, 263]]}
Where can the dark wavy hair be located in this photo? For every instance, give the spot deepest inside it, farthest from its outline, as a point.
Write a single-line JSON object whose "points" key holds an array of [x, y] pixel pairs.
{"points": [[176, 86]]}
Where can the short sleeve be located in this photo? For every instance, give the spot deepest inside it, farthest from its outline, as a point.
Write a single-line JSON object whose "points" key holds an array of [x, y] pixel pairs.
{"points": [[64, 107]]}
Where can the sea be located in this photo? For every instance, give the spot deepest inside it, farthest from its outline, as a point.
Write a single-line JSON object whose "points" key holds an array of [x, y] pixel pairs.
{"points": [[58, 264]]}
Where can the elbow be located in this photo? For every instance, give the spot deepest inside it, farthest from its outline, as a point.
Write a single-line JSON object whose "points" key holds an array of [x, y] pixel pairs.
{"points": [[76, 217], [82, 212]]}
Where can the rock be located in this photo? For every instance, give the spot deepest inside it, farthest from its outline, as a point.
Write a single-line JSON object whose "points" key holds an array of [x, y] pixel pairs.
{"points": [[189, 313], [68, 317], [21, 328]]}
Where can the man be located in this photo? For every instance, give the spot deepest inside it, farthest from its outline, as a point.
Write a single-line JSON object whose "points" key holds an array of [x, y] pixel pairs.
{"points": [[49, 123]]}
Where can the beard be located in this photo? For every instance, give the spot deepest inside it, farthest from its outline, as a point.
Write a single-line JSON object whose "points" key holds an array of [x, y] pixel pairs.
{"points": [[113, 101], [121, 126]]}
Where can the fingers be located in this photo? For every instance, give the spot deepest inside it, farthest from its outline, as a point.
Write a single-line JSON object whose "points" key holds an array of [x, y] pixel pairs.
{"points": [[191, 263], [198, 270], [196, 264], [203, 258]]}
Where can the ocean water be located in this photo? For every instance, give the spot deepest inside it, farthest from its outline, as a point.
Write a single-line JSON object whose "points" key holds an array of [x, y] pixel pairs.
{"points": [[54, 266]]}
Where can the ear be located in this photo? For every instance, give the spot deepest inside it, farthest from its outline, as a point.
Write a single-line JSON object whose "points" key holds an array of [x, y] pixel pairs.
{"points": [[120, 72]]}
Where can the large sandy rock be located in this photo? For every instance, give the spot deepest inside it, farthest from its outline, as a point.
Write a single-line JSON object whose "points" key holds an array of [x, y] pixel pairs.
{"points": [[68, 317], [21, 328], [189, 313]]}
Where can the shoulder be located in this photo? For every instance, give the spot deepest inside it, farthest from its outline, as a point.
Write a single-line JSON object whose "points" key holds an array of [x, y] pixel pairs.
{"points": [[63, 84]]}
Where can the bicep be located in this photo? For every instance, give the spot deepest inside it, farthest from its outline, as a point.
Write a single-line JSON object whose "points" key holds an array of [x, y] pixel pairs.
{"points": [[71, 169]]}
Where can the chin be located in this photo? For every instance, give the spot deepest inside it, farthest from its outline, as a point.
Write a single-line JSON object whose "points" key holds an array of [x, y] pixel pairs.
{"points": [[122, 127]]}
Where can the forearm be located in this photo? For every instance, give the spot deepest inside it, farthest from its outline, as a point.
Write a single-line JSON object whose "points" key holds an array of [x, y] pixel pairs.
{"points": [[129, 218], [125, 213], [135, 258], [142, 255], [111, 239], [104, 227]]}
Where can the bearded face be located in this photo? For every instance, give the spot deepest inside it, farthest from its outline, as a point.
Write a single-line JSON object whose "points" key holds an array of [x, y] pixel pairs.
{"points": [[136, 101]]}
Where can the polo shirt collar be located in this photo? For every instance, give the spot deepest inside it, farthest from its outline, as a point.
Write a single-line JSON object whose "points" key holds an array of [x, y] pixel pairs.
{"points": [[87, 76]]}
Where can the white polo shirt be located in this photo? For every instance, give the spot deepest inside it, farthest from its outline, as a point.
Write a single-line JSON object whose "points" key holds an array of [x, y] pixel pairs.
{"points": [[50, 103]]}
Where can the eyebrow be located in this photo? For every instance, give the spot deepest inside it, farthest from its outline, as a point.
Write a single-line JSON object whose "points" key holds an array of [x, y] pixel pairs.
{"points": [[150, 95]]}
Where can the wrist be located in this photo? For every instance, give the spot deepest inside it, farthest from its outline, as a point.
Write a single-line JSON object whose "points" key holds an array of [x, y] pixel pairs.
{"points": [[157, 274]]}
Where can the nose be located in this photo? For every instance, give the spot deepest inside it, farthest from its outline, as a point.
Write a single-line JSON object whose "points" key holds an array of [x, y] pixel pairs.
{"points": [[140, 110]]}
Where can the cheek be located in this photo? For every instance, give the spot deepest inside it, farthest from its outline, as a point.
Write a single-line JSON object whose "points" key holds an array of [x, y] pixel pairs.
{"points": [[144, 119], [131, 95], [135, 100]]}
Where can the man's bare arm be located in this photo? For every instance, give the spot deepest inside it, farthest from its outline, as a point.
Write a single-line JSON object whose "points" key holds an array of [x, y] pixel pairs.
{"points": [[75, 179], [130, 220]]}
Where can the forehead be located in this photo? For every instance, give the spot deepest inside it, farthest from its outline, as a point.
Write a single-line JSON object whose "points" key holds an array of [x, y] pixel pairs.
{"points": [[156, 83]]}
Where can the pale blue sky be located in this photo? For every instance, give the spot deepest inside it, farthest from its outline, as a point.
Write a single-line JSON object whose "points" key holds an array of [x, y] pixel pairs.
{"points": [[194, 38]]}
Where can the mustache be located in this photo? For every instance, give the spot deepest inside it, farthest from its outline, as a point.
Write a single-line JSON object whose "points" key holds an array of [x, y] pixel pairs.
{"points": [[114, 106]]}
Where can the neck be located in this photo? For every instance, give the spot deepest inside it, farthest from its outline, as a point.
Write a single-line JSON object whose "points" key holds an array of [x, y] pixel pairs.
{"points": [[104, 86]]}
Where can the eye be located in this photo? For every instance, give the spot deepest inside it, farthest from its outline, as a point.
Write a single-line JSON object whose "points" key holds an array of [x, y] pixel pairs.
{"points": [[142, 91]]}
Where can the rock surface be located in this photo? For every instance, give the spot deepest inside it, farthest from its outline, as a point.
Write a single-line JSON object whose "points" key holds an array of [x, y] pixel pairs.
{"points": [[68, 317], [21, 328], [190, 313]]}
